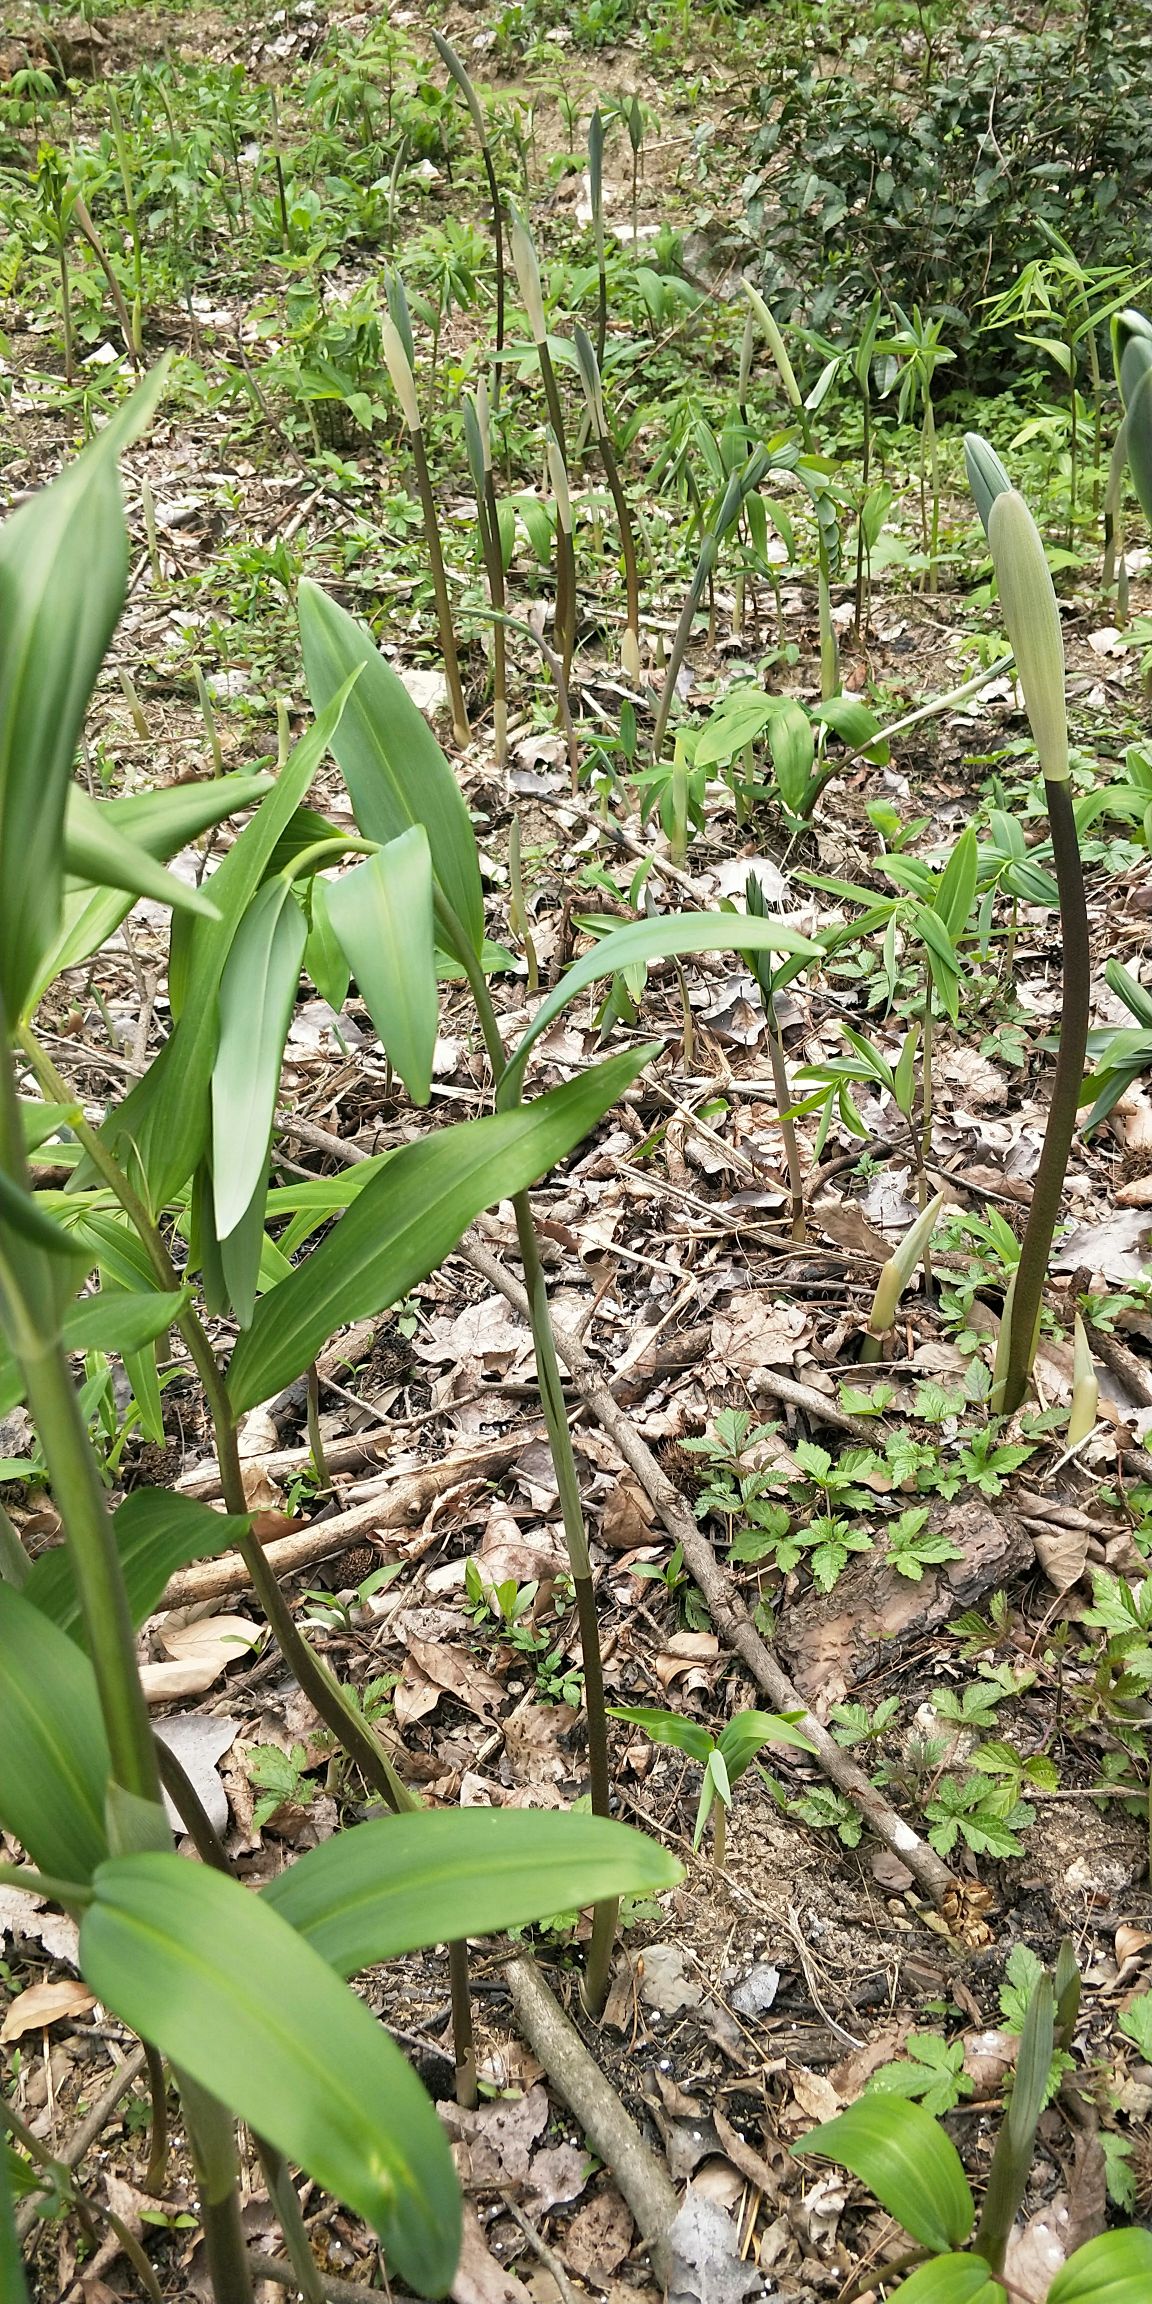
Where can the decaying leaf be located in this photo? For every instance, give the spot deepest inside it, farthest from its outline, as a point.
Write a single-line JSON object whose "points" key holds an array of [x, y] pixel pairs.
{"points": [[45, 2004]]}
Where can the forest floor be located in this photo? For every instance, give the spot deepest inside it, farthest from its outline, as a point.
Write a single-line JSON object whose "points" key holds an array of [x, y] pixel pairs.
{"points": [[951, 1606]]}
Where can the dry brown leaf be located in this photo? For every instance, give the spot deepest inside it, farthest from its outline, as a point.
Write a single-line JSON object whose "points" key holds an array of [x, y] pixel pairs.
{"points": [[414, 1696], [1062, 1554], [816, 2096], [846, 1224], [44, 2004], [479, 2278], [628, 1518], [753, 1333], [23, 1915], [533, 1735], [457, 1672], [200, 1652], [599, 2236], [558, 2173], [684, 1659], [1036, 2250]]}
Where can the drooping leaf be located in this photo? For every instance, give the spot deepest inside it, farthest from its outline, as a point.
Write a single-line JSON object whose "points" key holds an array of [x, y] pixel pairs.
{"points": [[382, 915], [688, 1736], [53, 1755], [905, 2158], [225, 1988], [257, 990], [162, 1126], [747, 1733], [395, 771], [409, 1218], [157, 1532], [114, 1321], [403, 1882], [63, 572], [670, 936], [104, 856]]}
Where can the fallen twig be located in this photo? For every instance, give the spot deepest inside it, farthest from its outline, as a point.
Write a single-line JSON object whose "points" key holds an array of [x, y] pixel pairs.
{"points": [[641, 2176]]}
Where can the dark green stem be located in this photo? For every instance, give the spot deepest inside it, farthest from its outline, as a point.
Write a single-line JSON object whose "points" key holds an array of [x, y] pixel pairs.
{"points": [[551, 1387], [1062, 1111]]}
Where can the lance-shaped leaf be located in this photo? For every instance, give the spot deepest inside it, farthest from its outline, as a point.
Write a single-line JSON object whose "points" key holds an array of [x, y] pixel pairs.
{"points": [[53, 1754], [1032, 617], [1132, 357], [957, 886], [898, 2150], [226, 1989], [382, 915], [63, 572], [987, 477], [162, 1126], [159, 822], [395, 771], [156, 1533], [409, 1218], [324, 960], [1116, 2268], [104, 856], [403, 1882], [257, 994], [641, 940]]}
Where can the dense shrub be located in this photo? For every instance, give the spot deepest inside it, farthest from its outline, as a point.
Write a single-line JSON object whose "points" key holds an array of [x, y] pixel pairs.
{"points": [[937, 189]]}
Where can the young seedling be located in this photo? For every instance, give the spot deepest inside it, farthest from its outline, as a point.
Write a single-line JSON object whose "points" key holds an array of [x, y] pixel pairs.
{"points": [[450, 59], [396, 339], [1033, 623], [724, 1758], [896, 1277], [589, 365], [904, 2156]]}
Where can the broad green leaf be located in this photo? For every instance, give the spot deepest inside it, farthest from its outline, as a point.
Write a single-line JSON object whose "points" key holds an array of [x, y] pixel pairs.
{"points": [[395, 771], [950, 2280], [1114, 2269], [162, 1126], [156, 1533], [664, 938], [747, 1733], [103, 856], [23, 1213], [224, 1987], [409, 1218], [957, 886], [744, 717], [404, 1882], [257, 992], [907, 2161], [793, 747], [324, 960], [144, 1376], [688, 1736], [382, 915], [54, 1761], [63, 573], [114, 1321]]}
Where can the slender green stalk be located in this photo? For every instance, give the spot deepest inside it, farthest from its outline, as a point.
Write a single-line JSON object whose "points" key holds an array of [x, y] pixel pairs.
{"points": [[157, 2170], [571, 1508], [589, 365], [1012, 2159], [1048, 1187], [15, 1566], [478, 440], [565, 558], [448, 57], [460, 728], [315, 1437], [761, 963]]}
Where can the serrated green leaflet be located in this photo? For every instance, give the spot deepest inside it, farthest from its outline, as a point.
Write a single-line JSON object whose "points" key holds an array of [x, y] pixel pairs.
{"points": [[225, 1988], [409, 1218], [156, 1533], [666, 938], [907, 2161], [257, 992], [395, 771], [403, 1882], [53, 1753], [381, 914]]}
